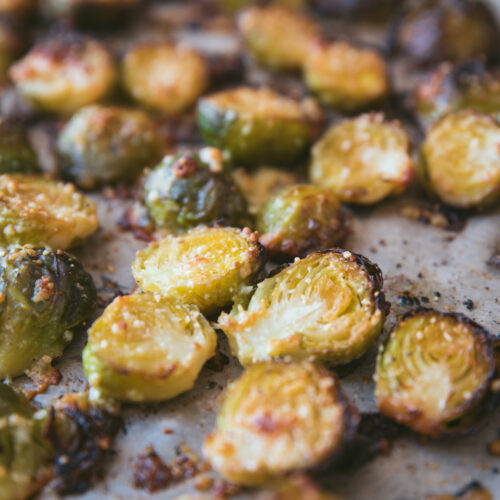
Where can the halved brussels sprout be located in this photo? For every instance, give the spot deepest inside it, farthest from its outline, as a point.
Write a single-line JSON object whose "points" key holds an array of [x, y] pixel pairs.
{"points": [[434, 371], [346, 77], [166, 77], [43, 294], [328, 307], [188, 190], [278, 37], [43, 212], [64, 73], [430, 31], [363, 160], [16, 153], [278, 418], [105, 144], [146, 348], [460, 159], [258, 126], [300, 219], [206, 267]]}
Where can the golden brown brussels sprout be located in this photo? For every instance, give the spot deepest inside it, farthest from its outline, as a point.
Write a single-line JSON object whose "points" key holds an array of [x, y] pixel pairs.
{"points": [[206, 267], [165, 77], [278, 37], [189, 190], [43, 294], [146, 348], [346, 77], [433, 372], [363, 160], [278, 418], [64, 73], [430, 31], [258, 126], [328, 307], [300, 219], [16, 154], [43, 212], [460, 160], [103, 144]]}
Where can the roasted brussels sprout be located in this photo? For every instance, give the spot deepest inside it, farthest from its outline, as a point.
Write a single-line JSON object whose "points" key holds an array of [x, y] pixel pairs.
{"points": [[16, 153], [146, 348], [434, 371], [235, 5], [43, 212], [278, 418], [43, 294], [104, 144], [367, 10], [429, 31], [346, 77], [278, 37], [205, 267], [64, 73], [300, 219], [296, 488], [460, 160], [16, 7], [363, 160], [328, 307], [166, 77], [188, 190], [258, 126]]}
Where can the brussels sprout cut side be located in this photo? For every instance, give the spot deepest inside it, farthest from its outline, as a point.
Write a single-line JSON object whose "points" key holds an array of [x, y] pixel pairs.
{"points": [[147, 348], [190, 190], [327, 307], [16, 153], [279, 418], [363, 160], [460, 160], [206, 267], [433, 372], [259, 126]]}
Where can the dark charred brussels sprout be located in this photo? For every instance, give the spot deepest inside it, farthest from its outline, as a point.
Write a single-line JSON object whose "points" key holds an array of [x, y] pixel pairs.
{"points": [[346, 77], [43, 212], [363, 160], [206, 267], [429, 31], [460, 160], [103, 144], [43, 294], [64, 73], [328, 307], [258, 126], [278, 418], [189, 190], [367, 10], [147, 347], [277, 37], [433, 372], [166, 77], [16, 154], [299, 220]]}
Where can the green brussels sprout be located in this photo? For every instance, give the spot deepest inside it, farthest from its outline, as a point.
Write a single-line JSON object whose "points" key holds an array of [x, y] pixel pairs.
{"points": [[147, 347], [460, 160], [279, 418], [205, 267], [277, 37], [64, 73], [164, 77], [16, 153], [434, 371], [346, 77], [363, 160], [300, 219], [327, 307], [188, 190], [104, 144], [258, 126], [429, 31]]}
